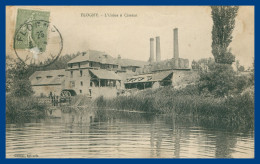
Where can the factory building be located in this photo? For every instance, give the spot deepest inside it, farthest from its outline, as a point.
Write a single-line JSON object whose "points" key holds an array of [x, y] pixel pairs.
{"points": [[174, 71], [96, 73]]}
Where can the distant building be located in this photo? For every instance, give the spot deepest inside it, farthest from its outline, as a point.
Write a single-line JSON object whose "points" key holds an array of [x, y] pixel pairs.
{"points": [[151, 80], [95, 73], [175, 63], [157, 73], [45, 82], [176, 78]]}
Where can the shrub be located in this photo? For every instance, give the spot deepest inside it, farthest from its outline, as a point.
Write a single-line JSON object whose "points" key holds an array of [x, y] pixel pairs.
{"points": [[233, 111], [219, 80], [23, 109]]}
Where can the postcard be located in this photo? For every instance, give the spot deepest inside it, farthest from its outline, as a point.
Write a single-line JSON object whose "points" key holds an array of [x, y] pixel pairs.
{"points": [[130, 82]]}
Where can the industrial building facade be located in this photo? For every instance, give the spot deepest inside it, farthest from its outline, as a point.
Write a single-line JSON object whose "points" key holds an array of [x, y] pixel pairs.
{"points": [[96, 73]]}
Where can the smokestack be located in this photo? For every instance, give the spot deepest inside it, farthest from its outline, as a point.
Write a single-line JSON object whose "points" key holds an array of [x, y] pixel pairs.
{"points": [[158, 49], [175, 44], [151, 50], [176, 47]]}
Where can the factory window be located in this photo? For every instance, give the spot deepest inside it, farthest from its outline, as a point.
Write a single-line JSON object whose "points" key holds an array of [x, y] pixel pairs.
{"points": [[72, 84], [37, 78], [90, 64], [79, 65], [115, 66], [81, 83], [71, 74], [80, 91], [60, 75], [49, 77], [70, 65], [140, 78], [80, 73]]}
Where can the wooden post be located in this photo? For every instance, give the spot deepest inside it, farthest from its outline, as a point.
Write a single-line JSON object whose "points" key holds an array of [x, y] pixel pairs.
{"points": [[99, 83]]}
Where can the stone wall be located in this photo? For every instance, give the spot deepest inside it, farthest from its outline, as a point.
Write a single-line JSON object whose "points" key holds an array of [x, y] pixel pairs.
{"points": [[166, 65], [107, 92], [82, 83], [45, 90]]}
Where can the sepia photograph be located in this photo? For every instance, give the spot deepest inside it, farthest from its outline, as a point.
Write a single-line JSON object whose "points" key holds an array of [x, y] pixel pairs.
{"points": [[130, 82]]}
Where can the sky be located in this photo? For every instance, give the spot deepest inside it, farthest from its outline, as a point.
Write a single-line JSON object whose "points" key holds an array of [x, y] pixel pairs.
{"points": [[129, 37]]}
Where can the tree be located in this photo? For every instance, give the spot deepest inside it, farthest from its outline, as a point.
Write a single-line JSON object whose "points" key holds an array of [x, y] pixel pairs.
{"points": [[60, 63], [19, 75], [223, 25], [241, 68], [22, 88], [10, 64], [202, 64], [237, 65], [219, 79], [251, 80]]}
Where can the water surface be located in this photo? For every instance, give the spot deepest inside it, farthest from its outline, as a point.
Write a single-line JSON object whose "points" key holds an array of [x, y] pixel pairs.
{"points": [[112, 134]]}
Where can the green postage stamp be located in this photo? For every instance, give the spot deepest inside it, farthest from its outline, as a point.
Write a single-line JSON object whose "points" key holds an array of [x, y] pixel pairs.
{"points": [[31, 29]]}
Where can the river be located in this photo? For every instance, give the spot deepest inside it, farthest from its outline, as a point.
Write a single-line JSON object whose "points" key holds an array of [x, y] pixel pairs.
{"points": [[117, 134]]}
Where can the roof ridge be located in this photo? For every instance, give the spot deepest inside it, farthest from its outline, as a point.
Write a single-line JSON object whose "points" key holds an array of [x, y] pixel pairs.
{"points": [[51, 70]]}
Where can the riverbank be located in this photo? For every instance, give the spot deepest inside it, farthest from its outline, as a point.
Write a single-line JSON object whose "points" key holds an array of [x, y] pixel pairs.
{"points": [[23, 109], [234, 111]]}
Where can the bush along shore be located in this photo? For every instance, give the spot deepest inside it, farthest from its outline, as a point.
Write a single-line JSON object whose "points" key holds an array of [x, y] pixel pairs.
{"points": [[22, 109], [231, 111]]}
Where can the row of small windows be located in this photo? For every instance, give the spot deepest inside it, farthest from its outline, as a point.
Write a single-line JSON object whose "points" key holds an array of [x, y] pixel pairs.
{"points": [[80, 73], [48, 77], [94, 64], [72, 83]]}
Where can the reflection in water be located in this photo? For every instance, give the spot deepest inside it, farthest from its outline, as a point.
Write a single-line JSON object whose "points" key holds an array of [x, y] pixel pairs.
{"points": [[112, 134]]}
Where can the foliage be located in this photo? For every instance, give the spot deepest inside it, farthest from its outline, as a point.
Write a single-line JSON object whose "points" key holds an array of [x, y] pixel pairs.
{"points": [[18, 73], [241, 68], [23, 108], [223, 25], [60, 63], [20, 84], [22, 87], [221, 80], [251, 80], [10, 63], [232, 111], [241, 82], [218, 80], [202, 64]]}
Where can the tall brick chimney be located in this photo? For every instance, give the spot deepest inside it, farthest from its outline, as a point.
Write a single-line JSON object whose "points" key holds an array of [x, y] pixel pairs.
{"points": [[158, 49], [151, 50], [176, 47]]}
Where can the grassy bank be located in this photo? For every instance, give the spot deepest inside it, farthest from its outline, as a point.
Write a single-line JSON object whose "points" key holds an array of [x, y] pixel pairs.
{"points": [[23, 109], [237, 110]]}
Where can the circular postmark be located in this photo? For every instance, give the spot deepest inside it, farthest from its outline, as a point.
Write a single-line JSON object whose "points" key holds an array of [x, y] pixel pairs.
{"points": [[38, 43]]}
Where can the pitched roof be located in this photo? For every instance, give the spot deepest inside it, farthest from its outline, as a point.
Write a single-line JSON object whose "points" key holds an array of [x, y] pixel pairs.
{"points": [[104, 74], [95, 56], [40, 77], [159, 76], [131, 62], [102, 57]]}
